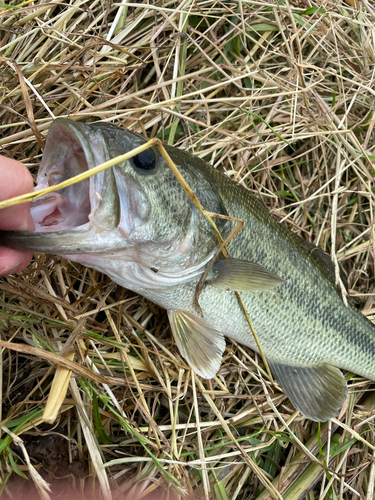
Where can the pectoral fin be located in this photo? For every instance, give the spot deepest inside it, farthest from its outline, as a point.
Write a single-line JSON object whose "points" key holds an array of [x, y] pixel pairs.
{"points": [[317, 391], [242, 276], [200, 343]]}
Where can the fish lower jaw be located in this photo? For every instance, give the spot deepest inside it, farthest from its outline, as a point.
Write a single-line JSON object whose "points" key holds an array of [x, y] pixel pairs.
{"points": [[56, 213]]}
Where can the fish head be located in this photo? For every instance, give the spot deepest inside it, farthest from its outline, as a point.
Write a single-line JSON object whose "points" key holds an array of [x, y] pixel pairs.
{"points": [[135, 213], [94, 203]]}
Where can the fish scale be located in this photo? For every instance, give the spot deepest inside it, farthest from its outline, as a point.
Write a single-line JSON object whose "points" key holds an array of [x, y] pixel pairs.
{"points": [[158, 244]]}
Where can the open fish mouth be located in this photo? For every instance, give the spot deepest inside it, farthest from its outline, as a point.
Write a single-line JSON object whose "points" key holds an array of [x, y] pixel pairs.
{"points": [[64, 157], [64, 219], [78, 218]]}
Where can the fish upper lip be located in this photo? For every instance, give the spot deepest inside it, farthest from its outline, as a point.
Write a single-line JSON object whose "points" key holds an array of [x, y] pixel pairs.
{"points": [[65, 155]]}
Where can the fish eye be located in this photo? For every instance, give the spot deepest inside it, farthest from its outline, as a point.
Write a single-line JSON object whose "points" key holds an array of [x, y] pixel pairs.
{"points": [[145, 160]]}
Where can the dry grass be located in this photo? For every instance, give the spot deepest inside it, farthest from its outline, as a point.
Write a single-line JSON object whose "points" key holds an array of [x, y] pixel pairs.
{"points": [[281, 96]]}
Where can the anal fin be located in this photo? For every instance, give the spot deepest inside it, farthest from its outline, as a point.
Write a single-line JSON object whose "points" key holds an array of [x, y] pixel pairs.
{"points": [[317, 391], [200, 343]]}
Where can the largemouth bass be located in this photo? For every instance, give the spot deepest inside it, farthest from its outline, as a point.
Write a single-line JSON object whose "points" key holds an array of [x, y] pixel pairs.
{"points": [[135, 223]]}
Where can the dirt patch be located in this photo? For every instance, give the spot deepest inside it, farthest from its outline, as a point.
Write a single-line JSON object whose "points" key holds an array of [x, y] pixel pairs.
{"points": [[57, 460]]}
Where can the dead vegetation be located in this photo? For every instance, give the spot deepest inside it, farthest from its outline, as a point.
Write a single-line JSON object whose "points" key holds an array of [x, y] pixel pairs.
{"points": [[278, 94]]}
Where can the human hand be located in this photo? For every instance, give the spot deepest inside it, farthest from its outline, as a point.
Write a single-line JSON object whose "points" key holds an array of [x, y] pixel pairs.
{"points": [[15, 180]]}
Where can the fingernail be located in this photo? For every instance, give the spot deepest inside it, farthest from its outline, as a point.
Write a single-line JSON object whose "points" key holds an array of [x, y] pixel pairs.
{"points": [[10, 269], [27, 225]]}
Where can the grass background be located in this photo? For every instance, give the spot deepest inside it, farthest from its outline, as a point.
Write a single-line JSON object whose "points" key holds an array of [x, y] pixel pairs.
{"points": [[280, 96]]}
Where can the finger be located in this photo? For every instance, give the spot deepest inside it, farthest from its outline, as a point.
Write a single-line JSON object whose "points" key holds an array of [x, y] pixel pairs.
{"points": [[15, 180], [13, 261]]}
